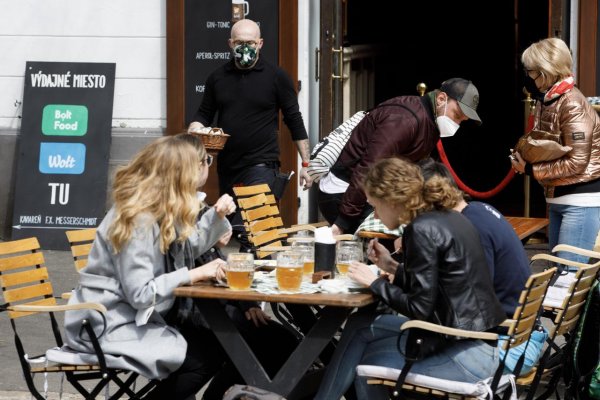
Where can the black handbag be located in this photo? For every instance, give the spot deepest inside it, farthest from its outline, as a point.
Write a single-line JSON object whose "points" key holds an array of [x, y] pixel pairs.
{"points": [[420, 344]]}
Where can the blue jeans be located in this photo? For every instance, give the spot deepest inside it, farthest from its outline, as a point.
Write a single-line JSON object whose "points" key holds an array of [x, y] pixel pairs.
{"points": [[465, 361], [573, 225]]}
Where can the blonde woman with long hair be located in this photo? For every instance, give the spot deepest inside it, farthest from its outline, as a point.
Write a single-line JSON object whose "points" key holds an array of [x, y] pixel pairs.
{"points": [[444, 279], [142, 251]]}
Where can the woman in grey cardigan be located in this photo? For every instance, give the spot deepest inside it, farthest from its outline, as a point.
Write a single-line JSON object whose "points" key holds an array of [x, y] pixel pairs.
{"points": [[154, 214]]}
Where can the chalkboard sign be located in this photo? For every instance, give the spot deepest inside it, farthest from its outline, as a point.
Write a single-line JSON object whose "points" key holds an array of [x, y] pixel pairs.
{"points": [[207, 29], [63, 150]]}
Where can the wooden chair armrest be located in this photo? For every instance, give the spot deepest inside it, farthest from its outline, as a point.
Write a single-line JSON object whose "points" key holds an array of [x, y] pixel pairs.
{"points": [[275, 248], [81, 306], [448, 331], [508, 323], [304, 227], [345, 236], [297, 228], [300, 239], [558, 260], [576, 250]]}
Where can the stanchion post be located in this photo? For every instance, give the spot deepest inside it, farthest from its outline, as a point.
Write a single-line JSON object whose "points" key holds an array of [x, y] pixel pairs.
{"points": [[529, 107]]}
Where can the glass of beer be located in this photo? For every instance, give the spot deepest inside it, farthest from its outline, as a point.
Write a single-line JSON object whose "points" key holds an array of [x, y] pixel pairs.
{"points": [[240, 270], [290, 266], [307, 248], [347, 251]]}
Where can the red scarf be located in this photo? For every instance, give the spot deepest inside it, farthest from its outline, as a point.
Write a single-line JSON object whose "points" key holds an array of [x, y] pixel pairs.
{"points": [[559, 88]]}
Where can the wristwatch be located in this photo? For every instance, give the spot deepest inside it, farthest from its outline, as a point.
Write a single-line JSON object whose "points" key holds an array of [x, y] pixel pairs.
{"points": [[305, 164]]}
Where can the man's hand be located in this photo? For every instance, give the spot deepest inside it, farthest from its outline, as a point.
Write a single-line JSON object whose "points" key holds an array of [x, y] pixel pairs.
{"points": [[195, 127], [257, 316], [224, 206], [305, 179], [335, 230]]}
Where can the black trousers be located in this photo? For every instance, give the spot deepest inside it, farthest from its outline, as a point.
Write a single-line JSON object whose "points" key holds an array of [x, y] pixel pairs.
{"points": [[204, 358], [329, 205]]}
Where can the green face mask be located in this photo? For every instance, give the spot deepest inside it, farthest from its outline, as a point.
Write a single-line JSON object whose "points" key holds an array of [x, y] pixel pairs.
{"points": [[245, 55]]}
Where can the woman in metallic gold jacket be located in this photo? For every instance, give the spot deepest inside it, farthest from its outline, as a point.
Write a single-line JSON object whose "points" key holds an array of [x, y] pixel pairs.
{"points": [[571, 182]]}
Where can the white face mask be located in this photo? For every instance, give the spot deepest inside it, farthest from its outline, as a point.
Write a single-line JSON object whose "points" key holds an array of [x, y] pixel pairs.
{"points": [[446, 125]]}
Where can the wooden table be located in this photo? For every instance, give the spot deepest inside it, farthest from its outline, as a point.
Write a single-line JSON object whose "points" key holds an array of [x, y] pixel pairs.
{"points": [[525, 227], [289, 380]]}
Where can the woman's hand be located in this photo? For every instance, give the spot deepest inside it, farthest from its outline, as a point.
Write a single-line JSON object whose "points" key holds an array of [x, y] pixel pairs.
{"points": [[518, 163], [224, 206], [361, 273], [223, 240], [214, 269], [257, 316], [380, 256]]}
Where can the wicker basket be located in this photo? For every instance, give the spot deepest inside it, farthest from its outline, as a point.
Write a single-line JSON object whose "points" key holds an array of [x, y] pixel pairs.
{"points": [[212, 138]]}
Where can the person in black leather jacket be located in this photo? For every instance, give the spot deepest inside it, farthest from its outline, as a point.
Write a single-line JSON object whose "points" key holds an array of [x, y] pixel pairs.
{"points": [[445, 280]]}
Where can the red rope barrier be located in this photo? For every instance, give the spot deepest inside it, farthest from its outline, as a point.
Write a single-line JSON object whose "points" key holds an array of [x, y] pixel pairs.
{"points": [[468, 190], [464, 187]]}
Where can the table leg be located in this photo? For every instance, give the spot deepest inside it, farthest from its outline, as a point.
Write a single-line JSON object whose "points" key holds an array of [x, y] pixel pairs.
{"points": [[234, 344], [294, 369]]}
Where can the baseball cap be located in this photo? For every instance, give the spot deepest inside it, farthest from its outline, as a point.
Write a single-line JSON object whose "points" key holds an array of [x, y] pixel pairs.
{"points": [[465, 93]]}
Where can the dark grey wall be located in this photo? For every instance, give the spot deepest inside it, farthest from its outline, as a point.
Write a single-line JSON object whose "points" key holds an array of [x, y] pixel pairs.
{"points": [[125, 142]]}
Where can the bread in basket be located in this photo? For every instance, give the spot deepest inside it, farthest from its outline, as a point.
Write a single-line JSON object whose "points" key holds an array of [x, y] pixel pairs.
{"points": [[212, 138]]}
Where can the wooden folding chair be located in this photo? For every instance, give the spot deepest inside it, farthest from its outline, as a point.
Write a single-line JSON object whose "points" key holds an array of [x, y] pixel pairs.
{"points": [[28, 293], [519, 331], [81, 241], [262, 220], [565, 317]]}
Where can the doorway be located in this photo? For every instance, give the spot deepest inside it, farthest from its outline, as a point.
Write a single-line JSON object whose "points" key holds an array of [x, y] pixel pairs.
{"points": [[474, 40]]}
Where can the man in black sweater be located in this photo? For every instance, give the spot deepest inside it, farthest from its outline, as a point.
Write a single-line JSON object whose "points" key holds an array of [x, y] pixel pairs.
{"points": [[247, 94]]}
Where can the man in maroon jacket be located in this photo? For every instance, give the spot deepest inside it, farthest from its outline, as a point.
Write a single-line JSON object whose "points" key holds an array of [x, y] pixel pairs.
{"points": [[405, 126]]}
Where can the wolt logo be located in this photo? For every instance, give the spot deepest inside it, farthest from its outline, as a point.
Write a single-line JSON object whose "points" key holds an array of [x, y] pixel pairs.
{"points": [[62, 158]]}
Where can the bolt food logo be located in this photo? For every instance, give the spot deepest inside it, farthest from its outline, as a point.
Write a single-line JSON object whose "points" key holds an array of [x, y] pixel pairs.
{"points": [[62, 158], [64, 120]]}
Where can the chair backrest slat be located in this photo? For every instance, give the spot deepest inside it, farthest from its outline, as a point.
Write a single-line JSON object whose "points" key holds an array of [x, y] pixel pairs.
{"points": [[573, 304], [21, 261], [81, 241], [81, 235], [81, 250], [530, 305], [267, 237], [244, 191], [23, 277], [28, 292], [265, 224], [18, 246]]}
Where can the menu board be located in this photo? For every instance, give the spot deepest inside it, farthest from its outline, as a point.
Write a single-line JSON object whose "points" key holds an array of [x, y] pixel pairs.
{"points": [[207, 30], [64, 148]]}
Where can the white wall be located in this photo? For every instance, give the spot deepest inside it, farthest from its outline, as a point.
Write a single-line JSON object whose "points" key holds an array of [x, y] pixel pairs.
{"points": [[130, 33]]}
